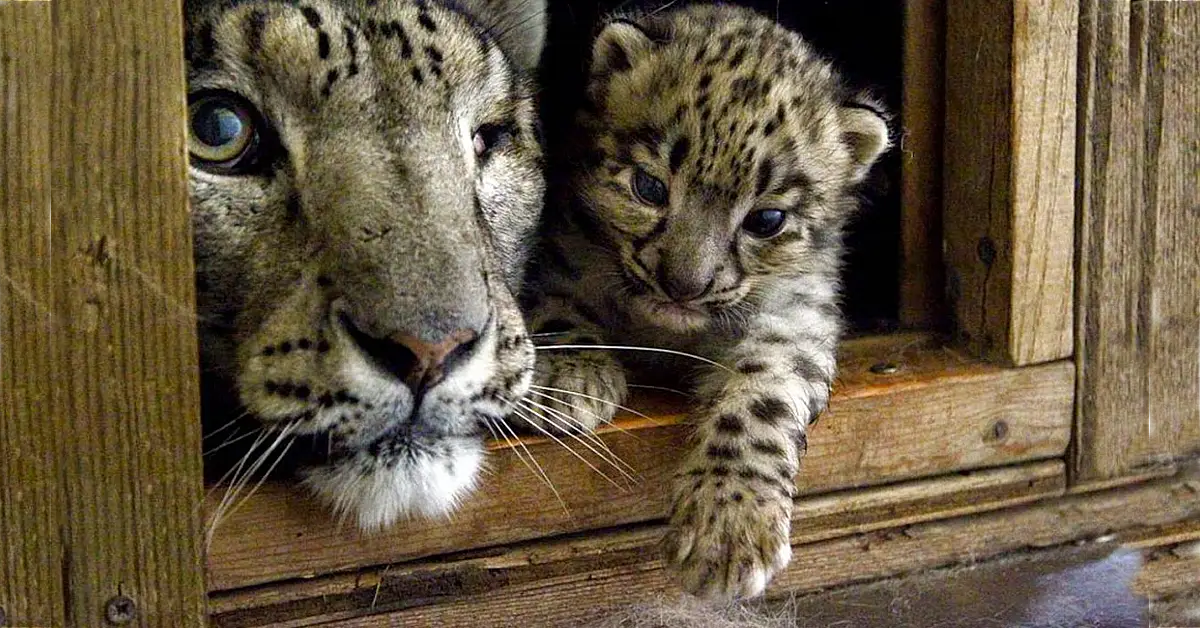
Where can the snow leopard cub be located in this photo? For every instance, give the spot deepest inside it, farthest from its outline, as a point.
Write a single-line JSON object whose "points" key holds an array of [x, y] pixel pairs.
{"points": [[716, 160]]}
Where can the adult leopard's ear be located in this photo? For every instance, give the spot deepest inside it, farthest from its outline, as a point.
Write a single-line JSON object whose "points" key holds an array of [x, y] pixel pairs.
{"points": [[518, 26], [622, 43], [865, 131]]}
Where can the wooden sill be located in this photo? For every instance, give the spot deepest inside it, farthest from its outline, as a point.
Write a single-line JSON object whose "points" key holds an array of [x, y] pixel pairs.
{"points": [[941, 412]]}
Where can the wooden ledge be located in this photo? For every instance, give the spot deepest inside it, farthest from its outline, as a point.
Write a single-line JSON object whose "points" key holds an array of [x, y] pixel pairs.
{"points": [[940, 412], [567, 582]]}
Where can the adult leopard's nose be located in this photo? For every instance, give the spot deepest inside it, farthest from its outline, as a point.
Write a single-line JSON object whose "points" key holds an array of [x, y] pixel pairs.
{"points": [[420, 363]]}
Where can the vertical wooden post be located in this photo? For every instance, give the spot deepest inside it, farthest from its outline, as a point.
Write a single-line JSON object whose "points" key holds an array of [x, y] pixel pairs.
{"points": [[1009, 176], [922, 284], [128, 397], [1138, 342]]}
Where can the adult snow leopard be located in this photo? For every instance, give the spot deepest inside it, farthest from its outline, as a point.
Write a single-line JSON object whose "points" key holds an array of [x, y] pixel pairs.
{"points": [[365, 181], [716, 160]]}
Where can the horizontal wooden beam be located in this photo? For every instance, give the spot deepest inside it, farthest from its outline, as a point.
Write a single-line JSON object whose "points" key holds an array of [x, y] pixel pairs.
{"points": [[571, 581], [938, 412], [817, 518]]}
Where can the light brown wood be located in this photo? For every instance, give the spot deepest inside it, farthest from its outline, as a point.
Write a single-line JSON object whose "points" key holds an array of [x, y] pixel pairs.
{"points": [[1008, 176], [940, 413], [1169, 571], [817, 518], [922, 281], [563, 583], [1139, 314], [127, 400]]}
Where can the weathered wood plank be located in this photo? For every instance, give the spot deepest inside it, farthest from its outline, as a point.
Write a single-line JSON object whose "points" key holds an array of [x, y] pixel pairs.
{"points": [[30, 508], [922, 281], [1139, 314], [1008, 176], [565, 583], [127, 405], [940, 412], [817, 518]]}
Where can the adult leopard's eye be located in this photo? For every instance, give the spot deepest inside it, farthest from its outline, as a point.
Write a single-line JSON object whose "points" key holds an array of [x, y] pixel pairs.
{"points": [[764, 223], [648, 189], [224, 132], [489, 137]]}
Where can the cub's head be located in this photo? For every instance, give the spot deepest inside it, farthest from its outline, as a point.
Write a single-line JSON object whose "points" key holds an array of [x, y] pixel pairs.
{"points": [[365, 181], [720, 155]]}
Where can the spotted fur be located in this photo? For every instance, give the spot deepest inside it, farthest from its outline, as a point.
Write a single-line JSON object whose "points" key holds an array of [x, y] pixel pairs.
{"points": [[732, 115], [395, 186]]}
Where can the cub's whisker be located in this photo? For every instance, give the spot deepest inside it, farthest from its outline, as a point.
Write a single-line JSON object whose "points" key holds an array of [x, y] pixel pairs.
{"points": [[631, 348]]}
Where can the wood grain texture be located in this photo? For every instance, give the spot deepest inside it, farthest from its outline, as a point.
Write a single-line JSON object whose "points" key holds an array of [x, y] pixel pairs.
{"points": [[568, 582], [1139, 278], [30, 505], [817, 518], [941, 412], [101, 456], [922, 281], [1008, 176]]}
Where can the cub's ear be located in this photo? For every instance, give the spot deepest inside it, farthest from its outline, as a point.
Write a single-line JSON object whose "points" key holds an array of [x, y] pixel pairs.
{"points": [[518, 26], [620, 45], [865, 131]]}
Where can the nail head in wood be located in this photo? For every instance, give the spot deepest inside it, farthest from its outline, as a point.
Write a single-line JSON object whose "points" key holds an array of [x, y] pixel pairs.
{"points": [[885, 368], [120, 610], [1000, 430]]}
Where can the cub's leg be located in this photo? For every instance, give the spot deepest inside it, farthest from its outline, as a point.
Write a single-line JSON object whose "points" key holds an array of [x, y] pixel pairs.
{"points": [[574, 389], [732, 501]]}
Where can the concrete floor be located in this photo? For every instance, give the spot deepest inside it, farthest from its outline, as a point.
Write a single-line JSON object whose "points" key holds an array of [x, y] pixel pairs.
{"points": [[1077, 587]]}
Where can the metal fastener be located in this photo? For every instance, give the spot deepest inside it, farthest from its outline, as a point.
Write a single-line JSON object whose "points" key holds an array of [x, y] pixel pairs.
{"points": [[3, 617], [885, 368], [120, 610], [1000, 430]]}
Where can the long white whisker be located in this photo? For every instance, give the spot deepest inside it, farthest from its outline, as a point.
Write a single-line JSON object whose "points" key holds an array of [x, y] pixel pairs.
{"points": [[534, 468], [554, 438], [233, 474], [229, 441], [647, 349], [282, 453], [608, 422], [579, 394], [227, 425], [662, 388], [611, 458], [232, 495]]}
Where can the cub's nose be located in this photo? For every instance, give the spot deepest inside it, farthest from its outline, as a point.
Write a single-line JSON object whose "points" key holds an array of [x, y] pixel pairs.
{"points": [[419, 364]]}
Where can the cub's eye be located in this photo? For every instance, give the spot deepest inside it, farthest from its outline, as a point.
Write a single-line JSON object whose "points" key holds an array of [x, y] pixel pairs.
{"points": [[648, 189], [224, 132], [764, 223], [489, 137]]}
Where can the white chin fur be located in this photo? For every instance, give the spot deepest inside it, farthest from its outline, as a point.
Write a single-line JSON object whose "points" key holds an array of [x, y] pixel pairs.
{"points": [[377, 495]]}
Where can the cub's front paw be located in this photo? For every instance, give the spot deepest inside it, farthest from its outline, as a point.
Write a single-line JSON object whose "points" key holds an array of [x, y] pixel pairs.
{"points": [[727, 539], [573, 391]]}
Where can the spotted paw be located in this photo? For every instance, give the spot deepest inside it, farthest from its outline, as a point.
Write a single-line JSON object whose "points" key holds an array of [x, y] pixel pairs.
{"points": [[573, 391], [727, 539]]}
